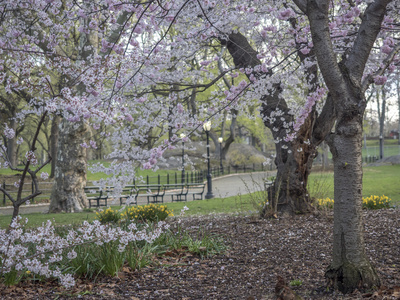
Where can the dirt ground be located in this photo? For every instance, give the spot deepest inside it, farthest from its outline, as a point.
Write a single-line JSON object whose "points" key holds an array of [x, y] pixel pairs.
{"points": [[298, 248]]}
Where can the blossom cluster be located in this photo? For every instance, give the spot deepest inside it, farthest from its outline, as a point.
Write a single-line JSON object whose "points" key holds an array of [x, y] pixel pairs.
{"points": [[38, 250]]}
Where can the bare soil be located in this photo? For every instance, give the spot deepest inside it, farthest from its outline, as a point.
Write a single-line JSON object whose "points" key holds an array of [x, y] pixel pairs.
{"points": [[297, 248]]}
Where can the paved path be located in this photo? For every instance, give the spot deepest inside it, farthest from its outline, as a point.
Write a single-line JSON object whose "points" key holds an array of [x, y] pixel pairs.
{"points": [[222, 187]]}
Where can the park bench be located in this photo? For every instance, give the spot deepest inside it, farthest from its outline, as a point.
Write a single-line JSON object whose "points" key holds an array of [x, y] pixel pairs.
{"points": [[196, 189], [95, 194], [127, 191], [154, 192], [178, 190]]}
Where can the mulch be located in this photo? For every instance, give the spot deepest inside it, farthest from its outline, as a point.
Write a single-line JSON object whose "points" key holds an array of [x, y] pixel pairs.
{"points": [[296, 248]]}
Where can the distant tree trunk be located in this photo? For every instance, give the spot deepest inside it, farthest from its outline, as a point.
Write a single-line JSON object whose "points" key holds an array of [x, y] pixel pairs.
{"points": [[70, 173], [53, 142], [232, 136], [325, 153], [12, 143], [398, 104], [381, 117]]}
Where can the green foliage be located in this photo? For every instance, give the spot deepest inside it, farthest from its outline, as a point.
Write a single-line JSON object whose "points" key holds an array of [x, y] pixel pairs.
{"points": [[108, 216], [12, 278], [371, 202], [138, 256], [147, 213], [203, 244], [296, 282], [377, 202], [325, 203]]}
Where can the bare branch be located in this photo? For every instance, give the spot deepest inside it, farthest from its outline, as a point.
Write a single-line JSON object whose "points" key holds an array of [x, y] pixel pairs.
{"points": [[367, 33]]}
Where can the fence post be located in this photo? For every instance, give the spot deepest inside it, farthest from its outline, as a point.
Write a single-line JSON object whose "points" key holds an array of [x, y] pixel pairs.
{"points": [[147, 179], [167, 178], [176, 179], [158, 179], [4, 194], [32, 186]]}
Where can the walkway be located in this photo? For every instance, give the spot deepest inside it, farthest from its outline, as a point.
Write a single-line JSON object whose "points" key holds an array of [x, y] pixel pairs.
{"points": [[225, 186]]}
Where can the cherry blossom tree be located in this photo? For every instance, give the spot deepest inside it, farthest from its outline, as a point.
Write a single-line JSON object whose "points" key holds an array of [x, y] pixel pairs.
{"points": [[347, 79], [140, 66]]}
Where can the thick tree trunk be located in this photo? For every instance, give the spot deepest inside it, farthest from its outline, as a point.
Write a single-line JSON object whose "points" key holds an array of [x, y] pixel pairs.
{"points": [[70, 171], [350, 268], [53, 143], [293, 160], [289, 193]]}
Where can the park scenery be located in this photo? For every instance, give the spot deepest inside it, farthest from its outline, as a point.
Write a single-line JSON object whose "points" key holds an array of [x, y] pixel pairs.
{"points": [[197, 149]]}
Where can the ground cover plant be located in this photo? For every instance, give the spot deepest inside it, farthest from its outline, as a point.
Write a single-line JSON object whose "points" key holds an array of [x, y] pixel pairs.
{"points": [[371, 202], [94, 249], [258, 250]]}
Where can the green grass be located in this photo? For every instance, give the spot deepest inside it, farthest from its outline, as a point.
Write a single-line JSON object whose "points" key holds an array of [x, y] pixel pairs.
{"points": [[199, 207], [371, 143], [383, 180]]}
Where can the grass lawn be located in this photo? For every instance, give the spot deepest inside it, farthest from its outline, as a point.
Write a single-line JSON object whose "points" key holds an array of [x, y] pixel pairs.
{"points": [[383, 180], [243, 203]]}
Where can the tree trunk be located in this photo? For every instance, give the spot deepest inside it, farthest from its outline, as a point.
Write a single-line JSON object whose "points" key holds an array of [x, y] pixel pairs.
{"points": [[293, 160], [289, 192], [70, 171], [232, 136], [381, 117], [350, 268], [12, 143], [53, 143]]}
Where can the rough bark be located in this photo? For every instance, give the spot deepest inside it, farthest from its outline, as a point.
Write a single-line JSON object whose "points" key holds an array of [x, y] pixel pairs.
{"points": [[350, 268], [70, 171], [54, 142], [12, 143], [289, 192]]}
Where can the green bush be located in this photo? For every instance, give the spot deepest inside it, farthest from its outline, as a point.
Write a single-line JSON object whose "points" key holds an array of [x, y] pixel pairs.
{"points": [[108, 216], [371, 202], [147, 213]]}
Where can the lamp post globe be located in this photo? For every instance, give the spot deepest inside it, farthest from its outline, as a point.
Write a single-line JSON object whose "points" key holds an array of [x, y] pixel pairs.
{"points": [[207, 128]]}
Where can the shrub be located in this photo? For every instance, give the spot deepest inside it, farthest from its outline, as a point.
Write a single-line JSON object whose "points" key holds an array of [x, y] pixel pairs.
{"points": [[326, 203], [371, 202], [376, 202], [147, 213], [108, 216]]}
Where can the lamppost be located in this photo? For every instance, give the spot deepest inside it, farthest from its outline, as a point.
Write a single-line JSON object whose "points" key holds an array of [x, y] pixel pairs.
{"points": [[207, 128], [220, 140], [183, 157]]}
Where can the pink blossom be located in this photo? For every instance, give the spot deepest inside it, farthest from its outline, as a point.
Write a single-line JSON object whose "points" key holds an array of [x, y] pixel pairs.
{"points": [[9, 132], [93, 144], [286, 14], [380, 80], [44, 175]]}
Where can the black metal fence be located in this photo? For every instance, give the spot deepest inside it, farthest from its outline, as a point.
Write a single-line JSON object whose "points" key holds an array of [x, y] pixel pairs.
{"points": [[170, 178]]}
